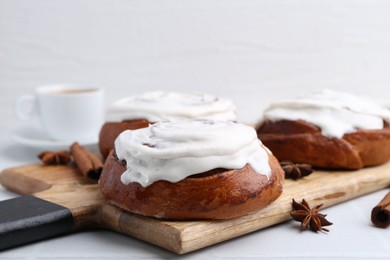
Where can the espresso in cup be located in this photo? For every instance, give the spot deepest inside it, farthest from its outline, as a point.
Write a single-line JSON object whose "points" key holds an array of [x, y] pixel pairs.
{"points": [[70, 91], [67, 112]]}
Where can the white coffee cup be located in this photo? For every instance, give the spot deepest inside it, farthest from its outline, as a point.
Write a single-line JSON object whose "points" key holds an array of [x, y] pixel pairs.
{"points": [[67, 112]]}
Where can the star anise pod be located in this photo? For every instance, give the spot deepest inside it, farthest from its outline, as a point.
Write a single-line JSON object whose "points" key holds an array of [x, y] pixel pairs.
{"points": [[52, 158], [295, 170], [310, 218]]}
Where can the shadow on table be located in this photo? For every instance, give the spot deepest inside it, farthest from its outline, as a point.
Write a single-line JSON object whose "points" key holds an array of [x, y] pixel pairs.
{"points": [[18, 153]]}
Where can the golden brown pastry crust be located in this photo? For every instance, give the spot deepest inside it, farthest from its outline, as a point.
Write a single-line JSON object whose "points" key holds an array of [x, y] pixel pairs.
{"points": [[217, 194], [302, 142], [110, 131]]}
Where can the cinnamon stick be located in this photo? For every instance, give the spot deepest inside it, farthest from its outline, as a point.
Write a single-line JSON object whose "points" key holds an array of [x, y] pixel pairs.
{"points": [[380, 214], [89, 164]]}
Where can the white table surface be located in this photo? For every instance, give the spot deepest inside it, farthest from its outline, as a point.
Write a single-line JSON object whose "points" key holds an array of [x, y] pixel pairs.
{"points": [[352, 234]]}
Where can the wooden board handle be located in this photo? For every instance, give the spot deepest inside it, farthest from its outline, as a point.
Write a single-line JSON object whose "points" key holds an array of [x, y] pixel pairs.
{"points": [[28, 219]]}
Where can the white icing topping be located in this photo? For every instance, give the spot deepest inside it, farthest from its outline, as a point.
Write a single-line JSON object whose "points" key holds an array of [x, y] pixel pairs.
{"points": [[334, 112], [169, 106], [172, 151]]}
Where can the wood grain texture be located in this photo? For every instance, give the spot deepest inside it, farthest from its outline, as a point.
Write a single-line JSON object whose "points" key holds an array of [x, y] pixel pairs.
{"points": [[65, 186]]}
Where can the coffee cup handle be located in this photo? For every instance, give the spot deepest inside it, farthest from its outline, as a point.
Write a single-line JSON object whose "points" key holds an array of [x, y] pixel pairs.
{"points": [[25, 107]]}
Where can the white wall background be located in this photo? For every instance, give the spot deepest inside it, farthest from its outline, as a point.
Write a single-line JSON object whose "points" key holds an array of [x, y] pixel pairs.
{"points": [[250, 51]]}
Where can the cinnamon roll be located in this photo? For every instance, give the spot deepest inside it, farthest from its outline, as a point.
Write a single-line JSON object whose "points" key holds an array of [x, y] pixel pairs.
{"points": [[327, 129], [139, 111], [201, 169]]}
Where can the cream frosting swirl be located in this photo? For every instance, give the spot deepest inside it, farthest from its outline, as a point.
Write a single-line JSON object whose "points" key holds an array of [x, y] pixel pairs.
{"points": [[159, 106], [172, 151], [334, 112]]}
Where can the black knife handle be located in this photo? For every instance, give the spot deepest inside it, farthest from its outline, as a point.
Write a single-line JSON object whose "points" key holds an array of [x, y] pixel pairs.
{"points": [[28, 219]]}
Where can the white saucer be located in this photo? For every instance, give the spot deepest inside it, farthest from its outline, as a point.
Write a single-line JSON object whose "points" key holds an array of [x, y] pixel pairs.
{"points": [[35, 137]]}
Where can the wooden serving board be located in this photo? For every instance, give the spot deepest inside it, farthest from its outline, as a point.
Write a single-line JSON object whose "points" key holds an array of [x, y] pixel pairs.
{"points": [[64, 185]]}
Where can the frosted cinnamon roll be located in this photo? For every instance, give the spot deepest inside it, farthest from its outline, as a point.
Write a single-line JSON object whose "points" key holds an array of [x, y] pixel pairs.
{"points": [[327, 129], [139, 111], [202, 169]]}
